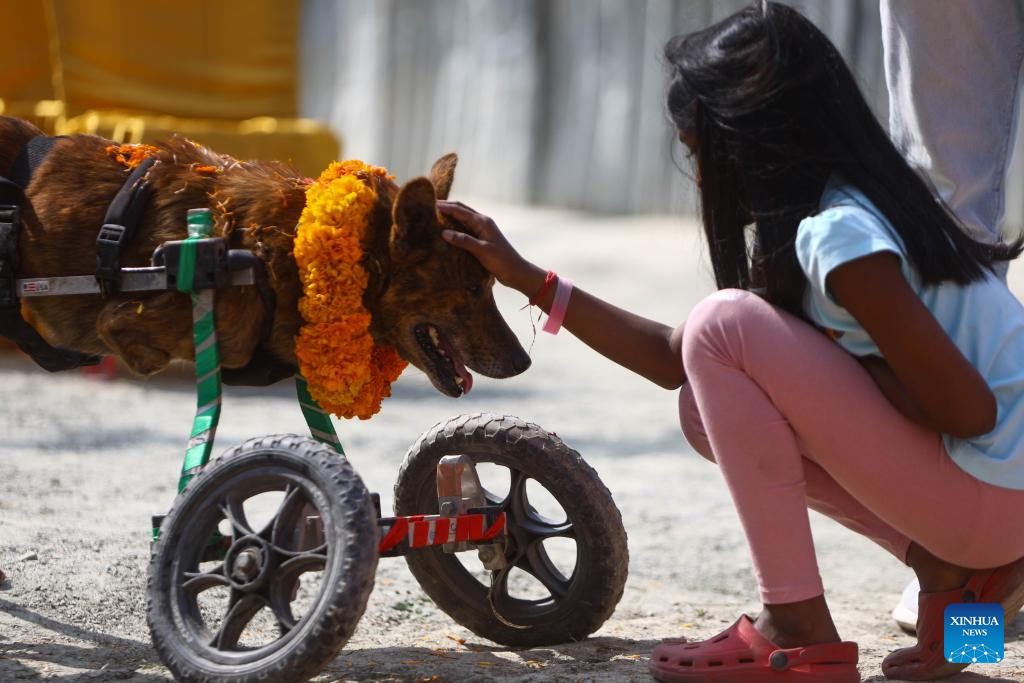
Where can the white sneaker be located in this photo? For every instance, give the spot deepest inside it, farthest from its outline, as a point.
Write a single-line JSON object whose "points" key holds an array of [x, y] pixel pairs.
{"points": [[905, 612]]}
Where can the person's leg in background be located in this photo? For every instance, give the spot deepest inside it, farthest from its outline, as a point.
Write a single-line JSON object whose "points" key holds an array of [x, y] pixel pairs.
{"points": [[952, 69]]}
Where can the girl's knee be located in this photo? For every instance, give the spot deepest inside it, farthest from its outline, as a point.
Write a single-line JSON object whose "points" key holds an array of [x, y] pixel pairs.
{"points": [[725, 306], [717, 321], [692, 424]]}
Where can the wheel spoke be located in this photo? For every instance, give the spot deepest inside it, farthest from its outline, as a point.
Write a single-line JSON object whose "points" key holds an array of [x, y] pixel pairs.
{"points": [[309, 561], [268, 528], [285, 528], [281, 595], [541, 530], [241, 610], [197, 582], [516, 502], [524, 518], [283, 587], [513, 611], [233, 512], [319, 550], [282, 610], [536, 563]]}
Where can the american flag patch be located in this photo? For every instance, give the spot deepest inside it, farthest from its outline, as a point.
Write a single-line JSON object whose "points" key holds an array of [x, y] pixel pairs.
{"points": [[34, 286]]}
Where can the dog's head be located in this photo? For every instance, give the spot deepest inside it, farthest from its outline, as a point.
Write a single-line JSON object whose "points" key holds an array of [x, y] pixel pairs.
{"points": [[437, 308]]}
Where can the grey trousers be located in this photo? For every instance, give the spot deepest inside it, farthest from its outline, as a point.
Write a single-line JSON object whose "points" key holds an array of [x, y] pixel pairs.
{"points": [[952, 69]]}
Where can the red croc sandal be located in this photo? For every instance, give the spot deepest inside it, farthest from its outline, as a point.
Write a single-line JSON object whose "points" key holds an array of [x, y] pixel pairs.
{"points": [[926, 661], [740, 654]]}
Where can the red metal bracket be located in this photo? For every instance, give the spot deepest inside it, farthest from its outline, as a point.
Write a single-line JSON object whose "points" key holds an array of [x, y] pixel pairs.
{"points": [[400, 535]]}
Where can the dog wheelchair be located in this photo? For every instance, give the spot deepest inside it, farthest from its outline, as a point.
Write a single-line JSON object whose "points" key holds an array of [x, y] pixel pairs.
{"points": [[233, 597]]}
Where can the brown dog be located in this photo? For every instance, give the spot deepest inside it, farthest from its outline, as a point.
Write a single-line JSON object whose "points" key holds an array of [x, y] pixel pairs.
{"points": [[431, 302]]}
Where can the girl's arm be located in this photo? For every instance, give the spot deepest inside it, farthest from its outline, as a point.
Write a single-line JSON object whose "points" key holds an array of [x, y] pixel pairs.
{"points": [[648, 348], [892, 388], [925, 372]]}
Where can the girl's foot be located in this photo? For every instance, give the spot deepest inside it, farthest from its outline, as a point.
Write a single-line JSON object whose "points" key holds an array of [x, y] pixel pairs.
{"points": [[742, 654], [926, 660], [793, 624], [936, 575]]}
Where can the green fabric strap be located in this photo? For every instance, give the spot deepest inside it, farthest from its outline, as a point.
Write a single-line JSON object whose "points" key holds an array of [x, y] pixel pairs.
{"points": [[208, 384], [208, 380], [187, 266], [318, 421]]}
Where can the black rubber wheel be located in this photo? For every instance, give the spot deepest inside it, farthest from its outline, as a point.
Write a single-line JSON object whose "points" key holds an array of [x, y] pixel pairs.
{"points": [[223, 593], [574, 603]]}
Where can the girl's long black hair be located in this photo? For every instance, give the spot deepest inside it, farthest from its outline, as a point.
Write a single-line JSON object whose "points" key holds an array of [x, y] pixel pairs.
{"points": [[771, 111]]}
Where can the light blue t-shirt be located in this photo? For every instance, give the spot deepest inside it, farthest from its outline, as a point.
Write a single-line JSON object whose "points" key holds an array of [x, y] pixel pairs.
{"points": [[984, 319]]}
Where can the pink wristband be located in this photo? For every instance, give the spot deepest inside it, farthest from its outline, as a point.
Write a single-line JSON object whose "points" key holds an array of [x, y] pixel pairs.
{"points": [[558, 305]]}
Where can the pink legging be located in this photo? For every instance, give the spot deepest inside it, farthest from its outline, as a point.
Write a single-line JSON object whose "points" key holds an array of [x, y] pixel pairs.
{"points": [[794, 421]]}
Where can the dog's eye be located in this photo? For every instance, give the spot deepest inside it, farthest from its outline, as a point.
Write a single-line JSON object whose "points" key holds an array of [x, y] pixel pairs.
{"points": [[475, 290]]}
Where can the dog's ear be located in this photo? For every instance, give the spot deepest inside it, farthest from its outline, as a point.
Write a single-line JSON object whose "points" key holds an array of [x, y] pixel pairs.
{"points": [[442, 174], [415, 215]]}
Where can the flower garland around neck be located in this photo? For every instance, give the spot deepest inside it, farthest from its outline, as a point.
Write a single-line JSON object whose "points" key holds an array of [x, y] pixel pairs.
{"points": [[348, 373]]}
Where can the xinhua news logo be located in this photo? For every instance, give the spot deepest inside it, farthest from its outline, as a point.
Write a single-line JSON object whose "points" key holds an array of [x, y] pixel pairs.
{"points": [[973, 633]]}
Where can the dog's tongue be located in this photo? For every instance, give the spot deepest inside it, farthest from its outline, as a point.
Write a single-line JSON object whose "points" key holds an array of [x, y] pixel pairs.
{"points": [[460, 367], [467, 379]]}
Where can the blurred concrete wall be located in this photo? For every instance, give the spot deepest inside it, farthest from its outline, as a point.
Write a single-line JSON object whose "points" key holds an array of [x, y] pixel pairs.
{"points": [[558, 102]]}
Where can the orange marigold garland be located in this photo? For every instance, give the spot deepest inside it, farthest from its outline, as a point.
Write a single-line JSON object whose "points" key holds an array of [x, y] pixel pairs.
{"points": [[348, 374]]}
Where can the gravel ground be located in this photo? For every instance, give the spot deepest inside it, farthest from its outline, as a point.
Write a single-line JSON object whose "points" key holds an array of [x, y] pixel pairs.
{"points": [[85, 463]]}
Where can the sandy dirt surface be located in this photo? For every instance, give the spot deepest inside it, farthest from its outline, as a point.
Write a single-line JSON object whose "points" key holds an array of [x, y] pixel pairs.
{"points": [[83, 464]]}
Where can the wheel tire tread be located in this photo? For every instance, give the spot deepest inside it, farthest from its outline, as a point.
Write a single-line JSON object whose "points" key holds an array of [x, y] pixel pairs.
{"points": [[566, 470], [348, 599]]}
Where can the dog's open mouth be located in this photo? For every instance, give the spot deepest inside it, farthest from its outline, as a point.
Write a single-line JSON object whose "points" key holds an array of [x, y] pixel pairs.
{"points": [[449, 369]]}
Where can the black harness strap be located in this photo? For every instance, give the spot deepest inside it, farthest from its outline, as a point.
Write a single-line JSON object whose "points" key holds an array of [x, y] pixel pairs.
{"points": [[12, 324], [30, 158], [123, 217], [10, 221], [263, 368]]}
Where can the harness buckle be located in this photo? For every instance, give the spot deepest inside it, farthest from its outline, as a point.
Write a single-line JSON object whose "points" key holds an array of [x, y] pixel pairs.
{"points": [[109, 243]]}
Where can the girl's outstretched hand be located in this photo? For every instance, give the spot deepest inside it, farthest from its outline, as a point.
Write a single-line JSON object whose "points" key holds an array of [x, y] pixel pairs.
{"points": [[484, 240], [647, 348]]}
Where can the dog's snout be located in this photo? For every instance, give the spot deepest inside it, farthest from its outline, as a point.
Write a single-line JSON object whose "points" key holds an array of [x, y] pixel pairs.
{"points": [[501, 366], [520, 362]]}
